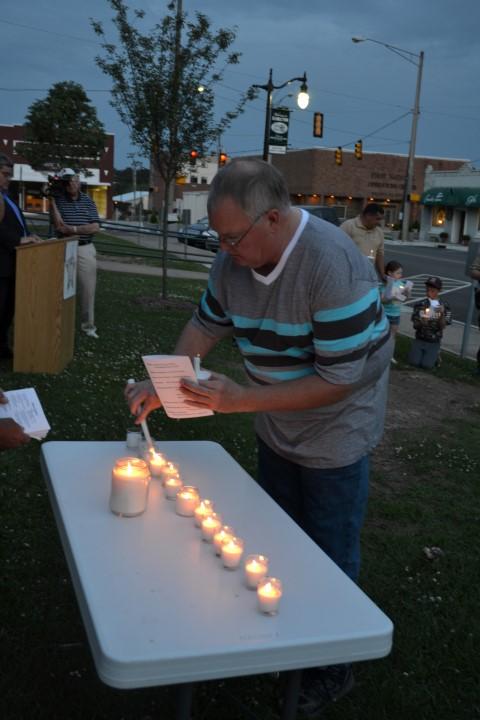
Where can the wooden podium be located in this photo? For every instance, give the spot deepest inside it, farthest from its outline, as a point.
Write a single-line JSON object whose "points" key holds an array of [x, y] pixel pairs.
{"points": [[44, 321]]}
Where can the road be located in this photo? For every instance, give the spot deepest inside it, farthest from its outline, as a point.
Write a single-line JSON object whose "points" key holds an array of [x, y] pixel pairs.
{"points": [[447, 264]]}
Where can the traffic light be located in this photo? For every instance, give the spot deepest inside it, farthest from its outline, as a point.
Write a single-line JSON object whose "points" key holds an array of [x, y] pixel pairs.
{"points": [[222, 159], [318, 124], [193, 157], [359, 150], [338, 156]]}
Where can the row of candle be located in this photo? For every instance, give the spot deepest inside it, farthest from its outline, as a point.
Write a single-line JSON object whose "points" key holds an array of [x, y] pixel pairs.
{"points": [[189, 504]]}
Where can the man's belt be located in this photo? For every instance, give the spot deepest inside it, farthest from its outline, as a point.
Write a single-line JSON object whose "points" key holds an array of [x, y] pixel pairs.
{"points": [[85, 242]]}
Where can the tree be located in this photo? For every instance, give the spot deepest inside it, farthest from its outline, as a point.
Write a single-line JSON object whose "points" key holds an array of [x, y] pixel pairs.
{"points": [[62, 130], [156, 78]]}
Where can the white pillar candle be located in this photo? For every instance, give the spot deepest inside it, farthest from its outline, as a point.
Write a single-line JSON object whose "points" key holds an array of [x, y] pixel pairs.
{"points": [[156, 463], [223, 535], [210, 525], [231, 552], [204, 508], [171, 487], [187, 500], [129, 493], [256, 569], [269, 592]]}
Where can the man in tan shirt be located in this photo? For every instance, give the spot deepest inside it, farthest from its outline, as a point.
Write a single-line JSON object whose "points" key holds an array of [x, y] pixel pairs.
{"points": [[367, 234]]}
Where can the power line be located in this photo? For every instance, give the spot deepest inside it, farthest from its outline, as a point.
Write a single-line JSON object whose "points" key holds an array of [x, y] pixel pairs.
{"points": [[50, 32]]}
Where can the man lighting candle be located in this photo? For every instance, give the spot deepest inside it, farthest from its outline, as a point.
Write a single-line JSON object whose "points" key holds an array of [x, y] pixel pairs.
{"points": [[303, 305]]}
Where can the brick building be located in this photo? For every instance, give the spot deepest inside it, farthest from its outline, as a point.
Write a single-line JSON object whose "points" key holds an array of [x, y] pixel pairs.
{"points": [[27, 184], [314, 179]]}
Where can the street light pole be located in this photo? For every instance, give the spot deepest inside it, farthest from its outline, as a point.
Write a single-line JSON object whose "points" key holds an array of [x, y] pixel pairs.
{"points": [[302, 101], [417, 60]]}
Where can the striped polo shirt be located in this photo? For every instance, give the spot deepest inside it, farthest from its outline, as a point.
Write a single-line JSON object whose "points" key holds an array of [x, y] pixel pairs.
{"points": [[80, 211], [321, 315]]}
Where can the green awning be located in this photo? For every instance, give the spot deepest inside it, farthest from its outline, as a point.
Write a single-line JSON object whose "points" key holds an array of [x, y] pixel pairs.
{"points": [[452, 197]]}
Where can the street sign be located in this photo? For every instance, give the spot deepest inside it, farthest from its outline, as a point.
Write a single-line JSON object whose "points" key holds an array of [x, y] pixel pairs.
{"points": [[278, 140]]}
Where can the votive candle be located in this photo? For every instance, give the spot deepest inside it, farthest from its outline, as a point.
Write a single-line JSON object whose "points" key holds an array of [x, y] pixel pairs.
{"points": [[269, 593], [187, 500], [204, 508], [231, 552], [256, 569], [223, 535], [156, 463], [211, 524], [171, 486]]}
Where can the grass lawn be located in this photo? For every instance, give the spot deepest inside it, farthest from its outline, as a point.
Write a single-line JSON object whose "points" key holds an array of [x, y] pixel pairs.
{"points": [[47, 673]]}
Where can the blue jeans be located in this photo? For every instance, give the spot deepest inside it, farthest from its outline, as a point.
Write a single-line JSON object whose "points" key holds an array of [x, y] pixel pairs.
{"points": [[329, 505]]}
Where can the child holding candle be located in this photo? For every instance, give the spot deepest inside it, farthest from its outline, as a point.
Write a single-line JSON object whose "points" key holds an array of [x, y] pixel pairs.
{"points": [[393, 292], [429, 318]]}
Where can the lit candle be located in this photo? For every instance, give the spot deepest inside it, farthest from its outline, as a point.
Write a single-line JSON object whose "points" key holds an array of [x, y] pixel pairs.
{"points": [[205, 508], [171, 486], [130, 478], [256, 568], [223, 535], [169, 470], [156, 463], [187, 500], [231, 552], [211, 524], [269, 592]]}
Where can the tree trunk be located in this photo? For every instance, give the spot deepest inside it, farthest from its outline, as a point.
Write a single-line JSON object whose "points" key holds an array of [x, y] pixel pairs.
{"points": [[166, 194]]}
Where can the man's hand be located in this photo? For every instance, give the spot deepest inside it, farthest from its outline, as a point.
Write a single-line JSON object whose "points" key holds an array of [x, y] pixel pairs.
{"points": [[142, 399], [219, 393], [3, 398], [11, 435]]}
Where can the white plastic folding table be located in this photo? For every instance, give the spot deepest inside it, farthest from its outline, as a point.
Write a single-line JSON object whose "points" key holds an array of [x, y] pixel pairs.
{"points": [[158, 606]]}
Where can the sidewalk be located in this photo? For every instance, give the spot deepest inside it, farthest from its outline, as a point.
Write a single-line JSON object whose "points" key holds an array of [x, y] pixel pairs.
{"points": [[452, 336]]}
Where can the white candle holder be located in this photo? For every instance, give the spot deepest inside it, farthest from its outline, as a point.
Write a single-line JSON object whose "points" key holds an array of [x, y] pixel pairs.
{"points": [[156, 463], [211, 524], [169, 469], [231, 552], [204, 508], [186, 501], [129, 492], [223, 535], [133, 439], [269, 593], [256, 569], [171, 486]]}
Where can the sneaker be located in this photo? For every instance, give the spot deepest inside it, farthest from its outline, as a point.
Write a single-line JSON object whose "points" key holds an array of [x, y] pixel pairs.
{"points": [[91, 332], [394, 362], [321, 686]]}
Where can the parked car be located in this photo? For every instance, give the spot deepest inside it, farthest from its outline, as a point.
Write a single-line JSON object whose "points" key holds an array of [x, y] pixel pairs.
{"points": [[322, 211], [199, 235]]}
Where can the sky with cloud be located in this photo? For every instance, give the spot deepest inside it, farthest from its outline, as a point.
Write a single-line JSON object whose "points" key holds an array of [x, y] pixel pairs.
{"points": [[364, 90]]}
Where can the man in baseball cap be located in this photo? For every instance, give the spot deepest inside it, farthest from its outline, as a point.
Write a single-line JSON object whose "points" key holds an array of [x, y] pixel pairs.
{"points": [[66, 173]]}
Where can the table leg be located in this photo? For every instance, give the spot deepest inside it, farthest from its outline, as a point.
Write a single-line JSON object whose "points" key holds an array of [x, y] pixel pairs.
{"points": [[290, 700], [184, 701]]}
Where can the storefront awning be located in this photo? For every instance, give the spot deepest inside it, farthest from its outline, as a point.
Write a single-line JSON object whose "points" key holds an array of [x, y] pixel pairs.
{"points": [[452, 197]]}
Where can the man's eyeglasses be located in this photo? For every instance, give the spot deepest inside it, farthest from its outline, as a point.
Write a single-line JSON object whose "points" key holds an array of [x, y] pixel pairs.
{"points": [[232, 242]]}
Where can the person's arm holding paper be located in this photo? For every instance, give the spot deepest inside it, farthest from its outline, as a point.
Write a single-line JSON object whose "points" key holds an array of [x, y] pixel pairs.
{"points": [[141, 396], [11, 433]]}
